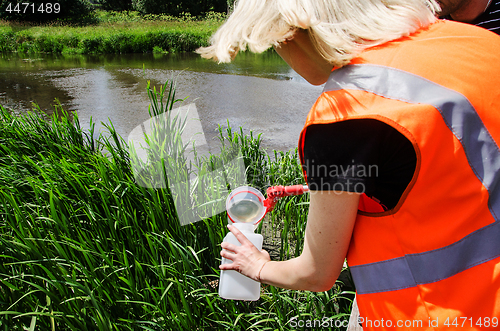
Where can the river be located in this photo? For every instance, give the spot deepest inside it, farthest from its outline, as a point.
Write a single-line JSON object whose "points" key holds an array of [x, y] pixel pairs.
{"points": [[255, 92]]}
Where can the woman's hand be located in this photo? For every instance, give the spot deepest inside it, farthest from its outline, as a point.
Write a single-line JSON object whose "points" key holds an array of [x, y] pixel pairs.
{"points": [[247, 259]]}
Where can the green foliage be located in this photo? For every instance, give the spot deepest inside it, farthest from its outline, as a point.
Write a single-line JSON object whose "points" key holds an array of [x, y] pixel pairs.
{"points": [[114, 16], [177, 7], [40, 11], [125, 32], [116, 5], [123, 42]]}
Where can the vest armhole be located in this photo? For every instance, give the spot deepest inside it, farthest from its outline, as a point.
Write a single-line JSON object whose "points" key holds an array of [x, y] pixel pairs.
{"points": [[377, 212], [410, 185]]}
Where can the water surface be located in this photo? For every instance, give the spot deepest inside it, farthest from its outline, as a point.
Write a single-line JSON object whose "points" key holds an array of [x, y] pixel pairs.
{"points": [[257, 92]]}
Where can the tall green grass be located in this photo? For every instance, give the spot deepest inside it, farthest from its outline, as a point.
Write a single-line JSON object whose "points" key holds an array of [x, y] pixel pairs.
{"points": [[84, 247]]}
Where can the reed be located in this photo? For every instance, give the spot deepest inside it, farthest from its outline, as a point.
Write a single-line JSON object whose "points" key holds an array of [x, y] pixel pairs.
{"points": [[84, 247]]}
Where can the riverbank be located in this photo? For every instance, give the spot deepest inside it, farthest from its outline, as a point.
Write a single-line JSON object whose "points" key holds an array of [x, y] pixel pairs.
{"points": [[125, 32], [84, 247]]}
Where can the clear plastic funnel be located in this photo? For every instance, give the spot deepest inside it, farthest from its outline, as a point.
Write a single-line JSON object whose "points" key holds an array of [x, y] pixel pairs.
{"points": [[245, 205]]}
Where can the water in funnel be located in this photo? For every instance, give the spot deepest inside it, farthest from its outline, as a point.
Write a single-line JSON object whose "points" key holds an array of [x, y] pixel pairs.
{"points": [[246, 211]]}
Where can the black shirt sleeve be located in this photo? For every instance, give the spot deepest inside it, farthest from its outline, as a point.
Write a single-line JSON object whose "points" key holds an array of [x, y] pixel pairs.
{"points": [[362, 155]]}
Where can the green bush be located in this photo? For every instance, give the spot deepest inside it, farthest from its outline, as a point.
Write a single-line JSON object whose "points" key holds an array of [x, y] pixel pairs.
{"points": [[41, 11], [117, 5], [7, 41], [177, 7]]}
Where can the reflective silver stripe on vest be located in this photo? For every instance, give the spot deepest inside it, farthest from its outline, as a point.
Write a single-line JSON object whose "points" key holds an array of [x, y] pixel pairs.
{"points": [[483, 156]]}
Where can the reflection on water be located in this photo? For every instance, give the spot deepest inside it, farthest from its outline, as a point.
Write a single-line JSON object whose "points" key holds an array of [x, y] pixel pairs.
{"points": [[257, 92]]}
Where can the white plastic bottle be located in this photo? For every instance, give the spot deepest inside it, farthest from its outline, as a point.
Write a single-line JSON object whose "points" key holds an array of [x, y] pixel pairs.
{"points": [[232, 284]]}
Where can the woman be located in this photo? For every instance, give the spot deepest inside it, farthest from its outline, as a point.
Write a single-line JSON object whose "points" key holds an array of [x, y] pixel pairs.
{"points": [[410, 114]]}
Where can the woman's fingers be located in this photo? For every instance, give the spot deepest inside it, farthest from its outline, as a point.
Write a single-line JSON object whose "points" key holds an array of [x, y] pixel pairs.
{"points": [[230, 255], [229, 247], [240, 236]]}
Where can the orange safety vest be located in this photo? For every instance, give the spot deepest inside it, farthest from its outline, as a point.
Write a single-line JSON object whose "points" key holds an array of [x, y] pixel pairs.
{"points": [[432, 262]]}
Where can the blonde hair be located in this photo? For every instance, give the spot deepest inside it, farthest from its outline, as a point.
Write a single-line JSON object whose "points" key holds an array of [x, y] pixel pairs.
{"points": [[339, 29]]}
